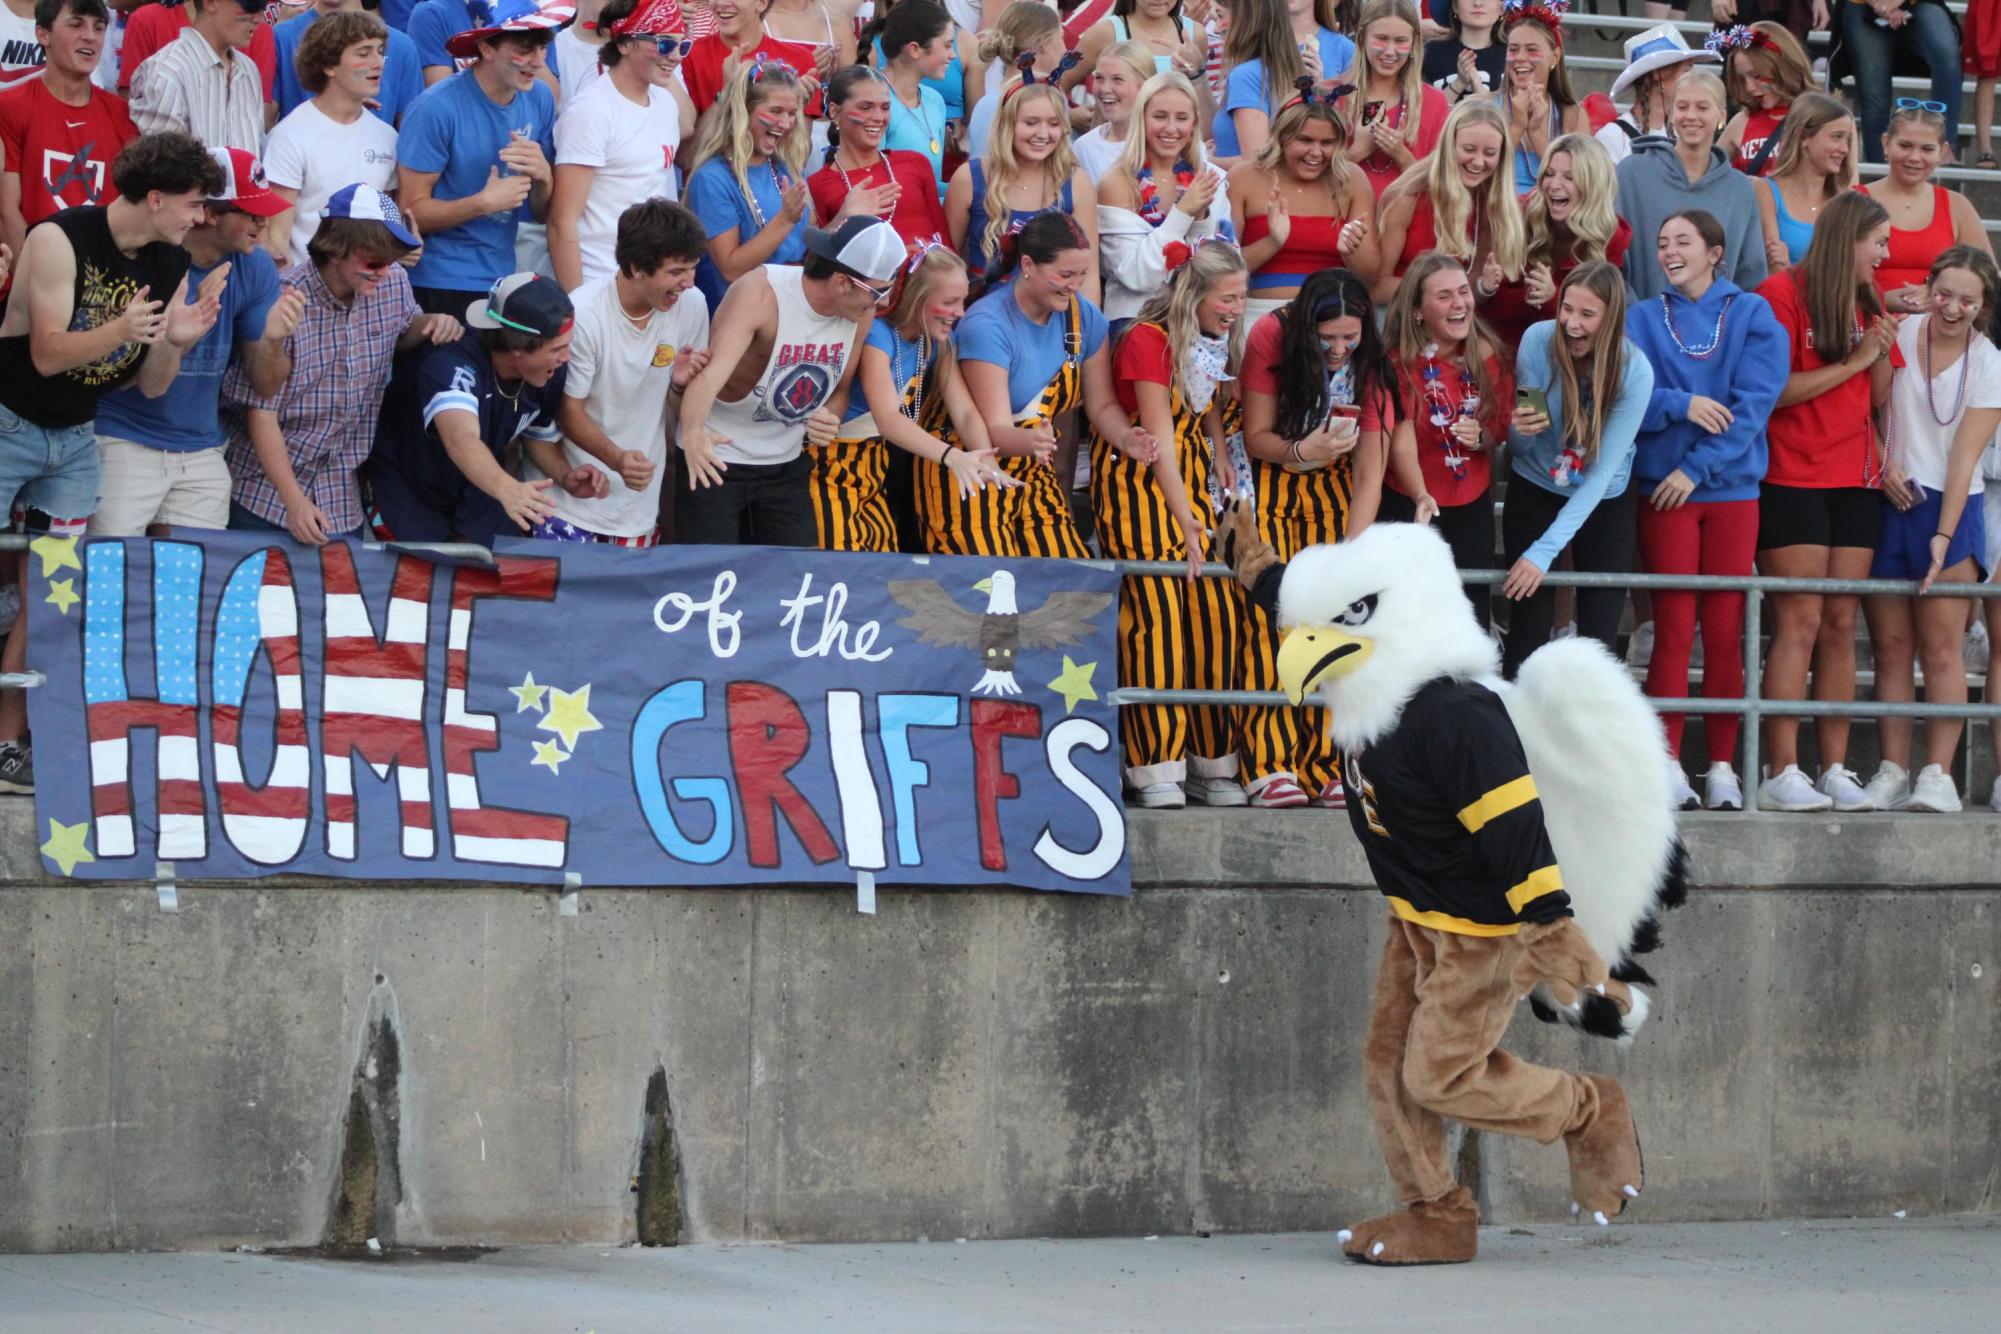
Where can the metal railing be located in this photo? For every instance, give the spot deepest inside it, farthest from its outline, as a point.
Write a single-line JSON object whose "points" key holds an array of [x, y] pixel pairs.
{"points": [[1753, 704]]}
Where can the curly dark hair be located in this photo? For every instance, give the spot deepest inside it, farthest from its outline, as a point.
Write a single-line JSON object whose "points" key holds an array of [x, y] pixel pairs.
{"points": [[325, 42], [170, 162]]}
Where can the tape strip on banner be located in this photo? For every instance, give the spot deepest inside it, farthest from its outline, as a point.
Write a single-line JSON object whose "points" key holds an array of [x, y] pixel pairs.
{"points": [[573, 884], [163, 886], [865, 892]]}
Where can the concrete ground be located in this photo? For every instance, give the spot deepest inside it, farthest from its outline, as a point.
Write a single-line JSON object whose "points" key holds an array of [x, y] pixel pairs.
{"points": [[1874, 1275]]}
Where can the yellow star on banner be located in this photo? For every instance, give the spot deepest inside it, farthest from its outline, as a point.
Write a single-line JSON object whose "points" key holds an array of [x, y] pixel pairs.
{"points": [[66, 845], [570, 715], [62, 595], [528, 695], [549, 755], [1075, 683], [57, 553]]}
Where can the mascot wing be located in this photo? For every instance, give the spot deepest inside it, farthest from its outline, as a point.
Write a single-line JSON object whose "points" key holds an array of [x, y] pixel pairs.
{"points": [[1600, 763]]}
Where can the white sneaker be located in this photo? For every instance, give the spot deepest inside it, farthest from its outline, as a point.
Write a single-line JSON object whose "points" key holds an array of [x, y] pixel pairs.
{"points": [[1161, 797], [1844, 788], [1890, 786], [1791, 790], [1934, 793], [1723, 791], [1684, 797], [1975, 650], [1216, 791], [1640, 648]]}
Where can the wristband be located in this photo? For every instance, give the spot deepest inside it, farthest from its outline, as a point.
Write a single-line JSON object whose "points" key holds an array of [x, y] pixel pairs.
{"points": [[1942, 533]]}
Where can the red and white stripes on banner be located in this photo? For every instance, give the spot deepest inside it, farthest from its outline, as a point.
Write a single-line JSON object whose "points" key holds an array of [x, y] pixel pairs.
{"points": [[183, 818], [267, 824], [373, 698], [481, 833]]}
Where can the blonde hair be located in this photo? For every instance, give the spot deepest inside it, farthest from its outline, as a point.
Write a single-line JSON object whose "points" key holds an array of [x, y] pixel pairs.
{"points": [[1410, 82], [1136, 56], [1811, 113], [1002, 170], [1437, 177], [1593, 217], [1132, 158], [1404, 332], [1022, 26], [1285, 127], [916, 281], [1783, 63], [1173, 308], [726, 134], [1707, 81], [1607, 372]]}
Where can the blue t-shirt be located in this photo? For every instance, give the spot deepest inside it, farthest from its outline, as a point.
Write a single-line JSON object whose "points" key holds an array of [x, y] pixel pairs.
{"points": [[920, 134], [456, 130], [432, 23], [453, 376], [185, 418], [718, 201], [903, 354], [996, 331], [1246, 88], [402, 71], [396, 13]]}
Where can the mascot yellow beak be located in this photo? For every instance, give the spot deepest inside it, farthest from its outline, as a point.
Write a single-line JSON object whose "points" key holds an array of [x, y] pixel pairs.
{"points": [[1314, 654]]}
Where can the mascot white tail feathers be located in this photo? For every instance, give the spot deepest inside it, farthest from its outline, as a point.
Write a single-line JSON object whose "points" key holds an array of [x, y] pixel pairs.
{"points": [[1600, 762]]}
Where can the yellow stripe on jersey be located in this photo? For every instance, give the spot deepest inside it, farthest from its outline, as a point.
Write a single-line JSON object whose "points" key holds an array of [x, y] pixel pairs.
{"points": [[1543, 880], [1442, 921], [1498, 802]]}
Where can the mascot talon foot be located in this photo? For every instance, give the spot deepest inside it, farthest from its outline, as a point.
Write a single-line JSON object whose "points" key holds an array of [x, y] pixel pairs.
{"points": [[1435, 1232], [1605, 1164]]}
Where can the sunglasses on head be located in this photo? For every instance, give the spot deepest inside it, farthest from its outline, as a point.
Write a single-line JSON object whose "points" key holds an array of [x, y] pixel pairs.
{"points": [[1916, 104]]}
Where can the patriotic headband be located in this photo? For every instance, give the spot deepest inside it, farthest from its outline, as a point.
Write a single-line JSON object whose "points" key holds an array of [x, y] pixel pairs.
{"points": [[920, 250], [1548, 13], [1310, 96], [1738, 38], [1025, 62], [1178, 253]]}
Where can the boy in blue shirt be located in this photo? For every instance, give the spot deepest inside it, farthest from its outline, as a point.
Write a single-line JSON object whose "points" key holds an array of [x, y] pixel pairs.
{"points": [[473, 156], [161, 459]]}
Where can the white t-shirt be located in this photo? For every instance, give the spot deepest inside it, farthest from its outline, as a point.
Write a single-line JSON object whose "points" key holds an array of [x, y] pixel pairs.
{"points": [[1096, 154], [1921, 445], [623, 374], [577, 67], [312, 153], [21, 56], [632, 148]]}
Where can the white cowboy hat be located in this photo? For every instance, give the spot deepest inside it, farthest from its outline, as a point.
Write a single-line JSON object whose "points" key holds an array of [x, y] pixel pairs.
{"points": [[1650, 50]]}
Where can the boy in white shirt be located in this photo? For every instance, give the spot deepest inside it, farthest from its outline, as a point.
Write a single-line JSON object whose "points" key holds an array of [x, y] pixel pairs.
{"points": [[331, 141], [639, 339]]}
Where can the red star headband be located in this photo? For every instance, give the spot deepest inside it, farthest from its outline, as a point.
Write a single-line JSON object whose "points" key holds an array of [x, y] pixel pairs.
{"points": [[1548, 13]]}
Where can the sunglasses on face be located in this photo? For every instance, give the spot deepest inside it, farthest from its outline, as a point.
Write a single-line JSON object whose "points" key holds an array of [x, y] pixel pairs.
{"points": [[1914, 104], [377, 265], [672, 46], [880, 294]]}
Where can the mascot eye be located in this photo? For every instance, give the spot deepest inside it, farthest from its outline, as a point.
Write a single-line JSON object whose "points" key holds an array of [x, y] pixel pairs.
{"points": [[1358, 612]]}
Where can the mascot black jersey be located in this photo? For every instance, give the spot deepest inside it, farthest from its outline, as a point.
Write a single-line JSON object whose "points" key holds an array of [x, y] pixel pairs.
{"points": [[1451, 767]]}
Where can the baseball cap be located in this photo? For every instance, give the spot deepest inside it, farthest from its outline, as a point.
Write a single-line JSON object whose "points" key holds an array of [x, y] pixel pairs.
{"points": [[243, 184], [524, 302], [867, 247], [507, 16], [364, 203]]}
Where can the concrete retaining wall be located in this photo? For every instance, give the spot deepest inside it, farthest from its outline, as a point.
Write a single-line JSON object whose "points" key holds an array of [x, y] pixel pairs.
{"points": [[969, 1064]]}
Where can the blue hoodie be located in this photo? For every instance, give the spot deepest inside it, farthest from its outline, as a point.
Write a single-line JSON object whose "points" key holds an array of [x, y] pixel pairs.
{"points": [[1534, 457], [1744, 374]]}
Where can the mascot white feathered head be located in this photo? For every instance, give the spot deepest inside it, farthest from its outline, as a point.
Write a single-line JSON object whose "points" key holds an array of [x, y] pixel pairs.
{"points": [[1370, 620]]}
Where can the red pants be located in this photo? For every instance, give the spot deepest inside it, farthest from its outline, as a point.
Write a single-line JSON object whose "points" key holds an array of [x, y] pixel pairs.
{"points": [[1702, 537]]}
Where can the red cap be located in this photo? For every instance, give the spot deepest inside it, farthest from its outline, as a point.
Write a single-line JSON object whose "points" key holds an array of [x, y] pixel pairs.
{"points": [[243, 184]]}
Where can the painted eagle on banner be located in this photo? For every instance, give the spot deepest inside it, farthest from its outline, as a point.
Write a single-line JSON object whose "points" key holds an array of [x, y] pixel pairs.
{"points": [[999, 632]]}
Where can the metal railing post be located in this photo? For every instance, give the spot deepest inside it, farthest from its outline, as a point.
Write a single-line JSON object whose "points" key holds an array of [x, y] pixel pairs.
{"points": [[1754, 694]]}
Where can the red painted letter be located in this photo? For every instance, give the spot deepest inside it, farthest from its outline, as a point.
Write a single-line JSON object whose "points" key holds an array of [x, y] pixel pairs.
{"points": [[992, 783], [768, 735]]}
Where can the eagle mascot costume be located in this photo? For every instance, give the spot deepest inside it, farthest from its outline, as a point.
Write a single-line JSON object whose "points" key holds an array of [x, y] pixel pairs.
{"points": [[1524, 837]]}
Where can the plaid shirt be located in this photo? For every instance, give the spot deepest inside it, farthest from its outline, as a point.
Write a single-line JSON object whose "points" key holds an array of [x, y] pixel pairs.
{"points": [[341, 357]]}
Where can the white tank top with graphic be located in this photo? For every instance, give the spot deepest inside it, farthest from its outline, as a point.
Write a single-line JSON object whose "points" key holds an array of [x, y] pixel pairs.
{"points": [[808, 353]]}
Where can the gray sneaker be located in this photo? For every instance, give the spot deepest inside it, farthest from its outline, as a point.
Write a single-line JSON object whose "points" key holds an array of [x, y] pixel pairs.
{"points": [[17, 767]]}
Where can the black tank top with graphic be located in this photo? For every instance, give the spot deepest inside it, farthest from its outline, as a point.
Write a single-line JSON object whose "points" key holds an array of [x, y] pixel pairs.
{"points": [[106, 281]]}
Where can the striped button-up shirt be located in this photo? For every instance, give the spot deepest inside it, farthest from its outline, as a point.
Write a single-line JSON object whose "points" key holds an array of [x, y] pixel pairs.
{"points": [[341, 357], [187, 86]]}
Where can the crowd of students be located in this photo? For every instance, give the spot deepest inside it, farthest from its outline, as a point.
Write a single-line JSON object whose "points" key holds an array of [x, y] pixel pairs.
{"points": [[1027, 281]]}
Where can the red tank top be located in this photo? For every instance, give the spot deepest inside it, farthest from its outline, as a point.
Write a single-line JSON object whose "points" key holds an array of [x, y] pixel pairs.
{"points": [[1312, 245], [1758, 127], [1912, 252]]}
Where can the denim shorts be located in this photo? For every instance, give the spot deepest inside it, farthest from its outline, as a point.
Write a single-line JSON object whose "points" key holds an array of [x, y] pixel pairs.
{"points": [[54, 470]]}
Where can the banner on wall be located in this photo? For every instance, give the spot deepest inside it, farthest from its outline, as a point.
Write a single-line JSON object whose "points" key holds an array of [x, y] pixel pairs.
{"points": [[678, 716]]}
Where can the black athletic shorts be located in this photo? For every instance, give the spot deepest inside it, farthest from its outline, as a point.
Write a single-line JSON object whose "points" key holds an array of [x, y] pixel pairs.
{"points": [[1835, 516]]}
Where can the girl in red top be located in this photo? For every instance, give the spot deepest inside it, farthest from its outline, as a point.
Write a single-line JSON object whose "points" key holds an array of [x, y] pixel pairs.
{"points": [[1820, 508], [740, 34], [1569, 219], [1318, 448], [1459, 201], [1765, 68], [1300, 206], [861, 178], [1394, 117], [1460, 396], [1174, 369], [1926, 220]]}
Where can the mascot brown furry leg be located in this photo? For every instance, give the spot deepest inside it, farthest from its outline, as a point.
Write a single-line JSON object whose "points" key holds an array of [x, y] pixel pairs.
{"points": [[1476, 803]]}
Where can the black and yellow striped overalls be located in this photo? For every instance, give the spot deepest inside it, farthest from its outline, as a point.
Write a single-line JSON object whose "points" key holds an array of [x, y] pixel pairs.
{"points": [[1032, 519], [849, 485], [1295, 510], [1173, 635]]}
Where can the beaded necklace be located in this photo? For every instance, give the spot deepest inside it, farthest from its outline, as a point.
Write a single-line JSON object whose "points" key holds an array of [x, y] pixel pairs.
{"points": [[1149, 195], [914, 409], [1715, 337], [750, 196], [848, 186], [1925, 365], [1442, 413]]}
